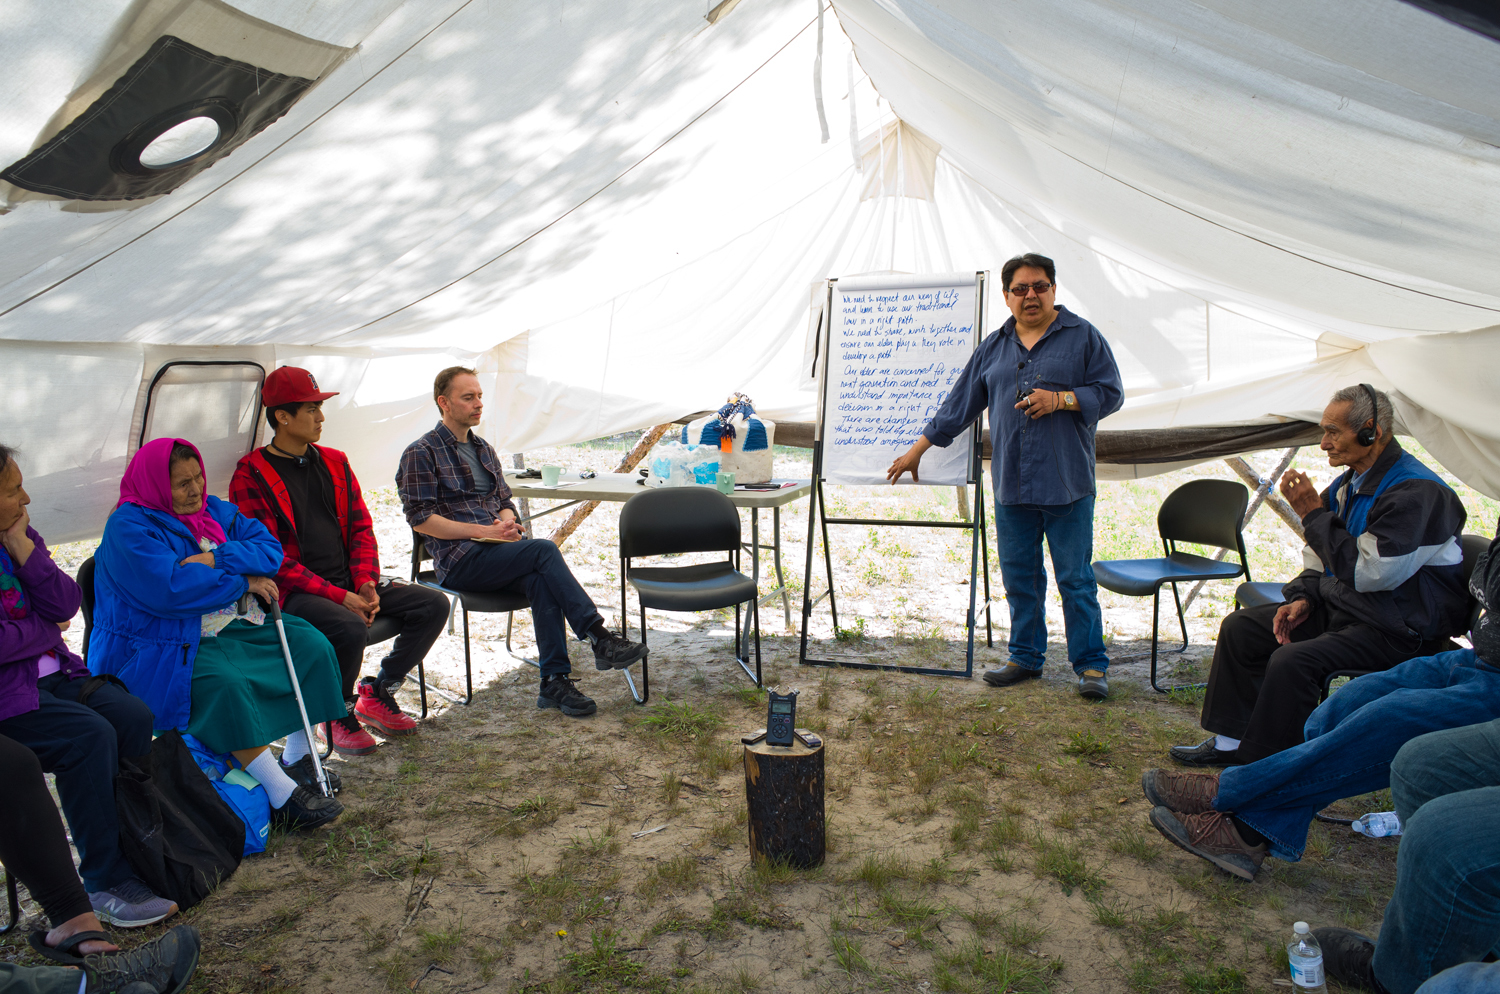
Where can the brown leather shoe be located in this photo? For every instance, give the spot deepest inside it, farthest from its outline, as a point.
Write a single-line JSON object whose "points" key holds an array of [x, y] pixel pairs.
{"points": [[1213, 837], [1190, 793], [1010, 674]]}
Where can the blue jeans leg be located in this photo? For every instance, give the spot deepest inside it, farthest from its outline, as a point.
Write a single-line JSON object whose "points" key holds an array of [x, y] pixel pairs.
{"points": [[82, 746], [557, 598], [1351, 743], [1446, 907], [1070, 537], [1018, 538]]}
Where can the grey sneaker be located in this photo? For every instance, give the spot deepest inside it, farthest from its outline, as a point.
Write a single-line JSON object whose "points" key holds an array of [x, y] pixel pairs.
{"points": [[562, 693], [1093, 685], [131, 905], [162, 966]]}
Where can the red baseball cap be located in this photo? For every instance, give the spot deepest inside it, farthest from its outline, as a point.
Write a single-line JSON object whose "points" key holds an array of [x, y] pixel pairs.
{"points": [[292, 385]]}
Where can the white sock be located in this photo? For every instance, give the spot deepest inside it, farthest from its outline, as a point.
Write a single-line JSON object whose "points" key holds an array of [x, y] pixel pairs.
{"points": [[267, 769], [296, 747], [1223, 743]]}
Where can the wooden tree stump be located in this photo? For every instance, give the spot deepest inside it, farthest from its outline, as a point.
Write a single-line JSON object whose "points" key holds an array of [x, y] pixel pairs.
{"points": [[784, 794]]}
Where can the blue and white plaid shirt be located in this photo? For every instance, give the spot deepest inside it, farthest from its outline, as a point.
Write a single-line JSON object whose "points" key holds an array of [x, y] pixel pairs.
{"points": [[434, 479]]}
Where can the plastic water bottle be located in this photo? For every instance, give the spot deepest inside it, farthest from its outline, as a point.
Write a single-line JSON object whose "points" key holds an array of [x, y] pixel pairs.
{"points": [[1378, 824], [1306, 959]]}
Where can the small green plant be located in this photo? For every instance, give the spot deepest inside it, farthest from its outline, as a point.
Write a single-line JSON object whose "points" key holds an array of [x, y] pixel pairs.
{"points": [[1086, 745], [603, 963], [855, 634], [679, 721]]}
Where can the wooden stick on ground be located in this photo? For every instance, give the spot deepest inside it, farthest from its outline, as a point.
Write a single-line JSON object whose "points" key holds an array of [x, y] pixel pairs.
{"points": [[627, 464]]}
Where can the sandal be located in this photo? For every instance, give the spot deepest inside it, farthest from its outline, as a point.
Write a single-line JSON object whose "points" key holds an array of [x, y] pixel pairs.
{"points": [[64, 952]]}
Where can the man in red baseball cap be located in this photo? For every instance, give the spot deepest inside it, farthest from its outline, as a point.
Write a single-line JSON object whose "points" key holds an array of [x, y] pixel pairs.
{"points": [[307, 495]]}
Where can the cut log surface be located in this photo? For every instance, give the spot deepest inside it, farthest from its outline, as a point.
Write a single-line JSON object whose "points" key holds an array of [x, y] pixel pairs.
{"points": [[784, 795]]}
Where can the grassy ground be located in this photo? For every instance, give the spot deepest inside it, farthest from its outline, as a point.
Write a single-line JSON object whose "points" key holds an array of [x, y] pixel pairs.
{"points": [[979, 840]]}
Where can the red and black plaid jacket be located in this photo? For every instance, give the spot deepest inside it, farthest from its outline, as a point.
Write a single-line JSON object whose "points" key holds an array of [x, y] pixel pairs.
{"points": [[258, 491]]}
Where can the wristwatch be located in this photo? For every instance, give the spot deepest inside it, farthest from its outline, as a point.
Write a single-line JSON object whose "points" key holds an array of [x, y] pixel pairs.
{"points": [[1069, 400]]}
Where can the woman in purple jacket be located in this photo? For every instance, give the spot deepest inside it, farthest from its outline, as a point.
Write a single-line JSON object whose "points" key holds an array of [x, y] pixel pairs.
{"points": [[40, 683]]}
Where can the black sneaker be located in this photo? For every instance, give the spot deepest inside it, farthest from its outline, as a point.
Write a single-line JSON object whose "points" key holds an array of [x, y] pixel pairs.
{"points": [[562, 693], [306, 808], [1349, 957], [1011, 674], [1093, 685], [1205, 753], [302, 771], [614, 652], [162, 966]]}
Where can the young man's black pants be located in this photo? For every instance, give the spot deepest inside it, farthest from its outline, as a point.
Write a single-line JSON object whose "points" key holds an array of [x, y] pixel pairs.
{"points": [[1262, 692], [422, 612]]}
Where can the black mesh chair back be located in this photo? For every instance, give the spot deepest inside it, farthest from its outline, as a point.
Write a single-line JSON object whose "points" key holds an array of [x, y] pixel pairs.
{"points": [[1205, 512], [674, 520], [678, 519], [86, 585]]}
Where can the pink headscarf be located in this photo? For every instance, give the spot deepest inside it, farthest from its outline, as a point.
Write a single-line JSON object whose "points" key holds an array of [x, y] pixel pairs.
{"points": [[148, 482]]}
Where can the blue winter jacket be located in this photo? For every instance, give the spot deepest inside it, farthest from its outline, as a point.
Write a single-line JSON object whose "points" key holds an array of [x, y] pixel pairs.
{"points": [[148, 610]]}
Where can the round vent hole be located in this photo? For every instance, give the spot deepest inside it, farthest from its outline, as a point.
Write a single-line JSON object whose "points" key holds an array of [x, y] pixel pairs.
{"points": [[181, 143]]}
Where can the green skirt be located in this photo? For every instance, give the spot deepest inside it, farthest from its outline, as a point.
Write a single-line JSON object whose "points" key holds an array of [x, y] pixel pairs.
{"points": [[242, 697]]}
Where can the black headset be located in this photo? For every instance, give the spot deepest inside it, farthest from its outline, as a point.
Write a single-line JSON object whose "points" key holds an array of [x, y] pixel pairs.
{"points": [[1366, 435]]}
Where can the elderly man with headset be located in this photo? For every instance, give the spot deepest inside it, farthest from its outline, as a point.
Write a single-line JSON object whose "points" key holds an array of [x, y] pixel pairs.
{"points": [[1382, 585]]}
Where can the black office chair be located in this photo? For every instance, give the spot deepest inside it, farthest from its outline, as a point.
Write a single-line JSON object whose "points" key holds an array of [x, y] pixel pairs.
{"points": [[507, 601], [1206, 512], [1471, 546], [684, 519]]}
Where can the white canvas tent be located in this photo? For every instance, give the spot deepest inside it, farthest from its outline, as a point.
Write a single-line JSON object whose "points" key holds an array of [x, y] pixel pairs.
{"points": [[616, 211]]}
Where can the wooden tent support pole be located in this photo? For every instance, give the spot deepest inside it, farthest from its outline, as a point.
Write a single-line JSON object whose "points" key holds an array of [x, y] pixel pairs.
{"points": [[1265, 490], [632, 458], [1278, 503]]}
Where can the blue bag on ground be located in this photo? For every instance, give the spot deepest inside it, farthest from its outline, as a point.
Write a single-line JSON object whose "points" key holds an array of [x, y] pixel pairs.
{"points": [[244, 795]]}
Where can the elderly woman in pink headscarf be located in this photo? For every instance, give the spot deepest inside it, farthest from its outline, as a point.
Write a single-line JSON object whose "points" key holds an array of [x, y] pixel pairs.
{"points": [[169, 574]]}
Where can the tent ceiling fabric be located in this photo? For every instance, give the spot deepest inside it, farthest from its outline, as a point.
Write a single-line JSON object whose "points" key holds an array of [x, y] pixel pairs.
{"points": [[616, 210]]}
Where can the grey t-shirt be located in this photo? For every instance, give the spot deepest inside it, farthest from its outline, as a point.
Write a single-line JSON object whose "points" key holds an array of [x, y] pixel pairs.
{"points": [[484, 480]]}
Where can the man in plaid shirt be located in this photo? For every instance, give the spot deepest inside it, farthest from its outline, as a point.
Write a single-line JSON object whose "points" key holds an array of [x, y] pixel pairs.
{"points": [[308, 497], [454, 494]]}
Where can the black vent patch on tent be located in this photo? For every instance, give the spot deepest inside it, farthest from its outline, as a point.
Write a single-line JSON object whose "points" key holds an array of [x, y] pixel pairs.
{"points": [[120, 147]]}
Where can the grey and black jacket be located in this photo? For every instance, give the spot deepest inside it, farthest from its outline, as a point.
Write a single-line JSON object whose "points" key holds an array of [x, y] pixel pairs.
{"points": [[1484, 585], [1389, 553]]}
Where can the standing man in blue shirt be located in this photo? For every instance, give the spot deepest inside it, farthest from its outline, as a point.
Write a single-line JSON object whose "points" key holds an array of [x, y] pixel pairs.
{"points": [[1047, 377]]}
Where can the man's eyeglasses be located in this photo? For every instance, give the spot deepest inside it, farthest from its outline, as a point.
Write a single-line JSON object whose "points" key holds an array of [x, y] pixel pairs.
{"points": [[1022, 289]]}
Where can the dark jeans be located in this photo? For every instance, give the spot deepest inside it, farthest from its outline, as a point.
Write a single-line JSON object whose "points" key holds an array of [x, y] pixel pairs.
{"points": [[1352, 739], [32, 844], [421, 611], [556, 596], [1069, 530], [83, 745], [1446, 908], [1262, 692]]}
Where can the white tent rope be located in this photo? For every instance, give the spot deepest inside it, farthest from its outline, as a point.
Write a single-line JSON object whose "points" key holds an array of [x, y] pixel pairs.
{"points": [[623, 173], [818, 76]]}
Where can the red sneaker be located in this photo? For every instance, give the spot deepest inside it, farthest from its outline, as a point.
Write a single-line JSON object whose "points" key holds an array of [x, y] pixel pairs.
{"points": [[379, 710], [348, 738]]}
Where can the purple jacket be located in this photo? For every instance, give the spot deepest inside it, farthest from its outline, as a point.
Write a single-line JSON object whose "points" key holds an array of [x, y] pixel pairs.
{"points": [[54, 596]]}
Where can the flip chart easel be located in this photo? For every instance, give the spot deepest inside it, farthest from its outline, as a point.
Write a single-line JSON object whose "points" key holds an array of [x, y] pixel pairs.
{"points": [[888, 351]]}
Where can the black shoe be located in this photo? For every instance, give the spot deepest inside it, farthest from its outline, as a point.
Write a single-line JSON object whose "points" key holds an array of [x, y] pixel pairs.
{"points": [[562, 693], [306, 808], [1011, 674], [1348, 957], [1205, 753], [162, 966], [302, 771], [1093, 685], [614, 652]]}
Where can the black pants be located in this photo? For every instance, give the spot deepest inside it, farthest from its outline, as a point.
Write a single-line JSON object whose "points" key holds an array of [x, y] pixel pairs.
{"points": [[421, 611], [32, 844], [1262, 692], [83, 745]]}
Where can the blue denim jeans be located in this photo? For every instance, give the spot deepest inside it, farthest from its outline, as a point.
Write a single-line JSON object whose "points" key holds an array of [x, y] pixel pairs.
{"points": [[1351, 739], [1069, 530], [555, 594], [1446, 908]]}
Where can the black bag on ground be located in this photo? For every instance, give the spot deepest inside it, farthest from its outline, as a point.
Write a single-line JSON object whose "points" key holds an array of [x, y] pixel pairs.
{"points": [[178, 834]]}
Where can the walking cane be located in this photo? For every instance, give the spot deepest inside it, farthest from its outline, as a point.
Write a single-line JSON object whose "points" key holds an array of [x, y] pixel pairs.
{"points": [[274, 609]]}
